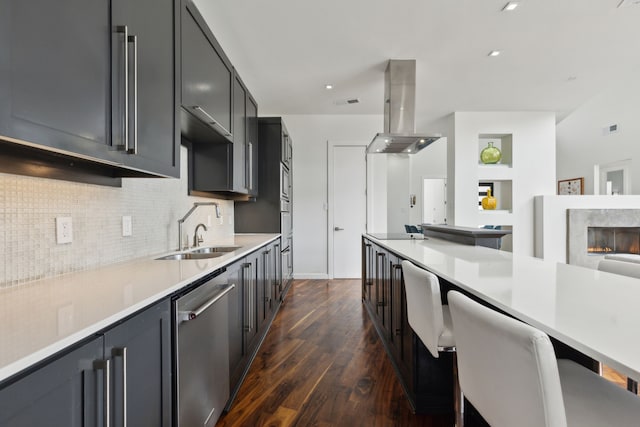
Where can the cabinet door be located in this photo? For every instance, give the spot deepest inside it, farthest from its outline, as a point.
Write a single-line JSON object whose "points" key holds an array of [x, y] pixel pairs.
{"points": [[277, 272], [236, 325], [252, 146], [147, 118], [239, 137], [381, 273], [206, 73], [249, 284], [140, 354], [260, 278], [368, 276], [67, 392], [396, 307], [55, 74]]}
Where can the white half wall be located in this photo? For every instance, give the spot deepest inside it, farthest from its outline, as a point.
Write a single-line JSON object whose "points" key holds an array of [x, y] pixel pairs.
{"points": [[310, 134]]}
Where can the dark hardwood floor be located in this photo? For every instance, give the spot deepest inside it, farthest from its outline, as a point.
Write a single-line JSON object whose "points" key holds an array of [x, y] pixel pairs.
{"points": [[322, 364]]}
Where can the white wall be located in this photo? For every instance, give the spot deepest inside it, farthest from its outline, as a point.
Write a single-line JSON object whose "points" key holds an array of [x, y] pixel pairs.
{"points": [[430, 162], [531, 172], [310, 134], [582, 144], [398, 182]]}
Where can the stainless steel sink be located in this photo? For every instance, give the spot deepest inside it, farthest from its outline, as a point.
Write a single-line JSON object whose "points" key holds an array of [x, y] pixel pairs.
{"points": [[215, 250], [201, 253]]}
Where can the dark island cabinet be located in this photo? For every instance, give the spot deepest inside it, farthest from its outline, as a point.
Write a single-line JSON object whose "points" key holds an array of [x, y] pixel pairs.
{"points": [[128, 366], [207, 76], [426, 380], [95, 80]]}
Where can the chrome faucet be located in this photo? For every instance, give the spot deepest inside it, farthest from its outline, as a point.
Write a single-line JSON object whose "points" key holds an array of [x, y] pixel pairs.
{"points": [[198, 239], [193, 208]]}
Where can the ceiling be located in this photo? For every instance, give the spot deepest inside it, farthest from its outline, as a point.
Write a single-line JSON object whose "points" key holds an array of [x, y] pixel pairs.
{"points": [[555, 54]]}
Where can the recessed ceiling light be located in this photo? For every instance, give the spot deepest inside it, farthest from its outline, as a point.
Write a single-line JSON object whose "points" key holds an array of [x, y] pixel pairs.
{"points": [[510, 6], [328, 87], [494, 53]]}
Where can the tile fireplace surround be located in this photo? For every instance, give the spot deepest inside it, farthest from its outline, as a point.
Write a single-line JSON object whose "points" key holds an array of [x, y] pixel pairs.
{"points": [[578, 221]]}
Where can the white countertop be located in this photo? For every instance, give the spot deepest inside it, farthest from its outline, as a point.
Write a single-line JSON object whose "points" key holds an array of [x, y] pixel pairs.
{"points": [[40, 318], [595, 312]]}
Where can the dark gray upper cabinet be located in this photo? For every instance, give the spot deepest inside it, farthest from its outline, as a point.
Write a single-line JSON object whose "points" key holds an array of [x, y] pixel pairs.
{"points": [[62, 81], [54, 75], [251, 157], [229, 170], [207, 77], [145, 92], [240, 145]]}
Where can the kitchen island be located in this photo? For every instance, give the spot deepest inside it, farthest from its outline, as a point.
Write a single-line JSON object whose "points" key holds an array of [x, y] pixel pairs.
{"points": [[592, 312]]}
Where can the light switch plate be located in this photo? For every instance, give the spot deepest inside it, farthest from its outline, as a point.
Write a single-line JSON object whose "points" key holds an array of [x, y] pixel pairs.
{"points": [[127, 227], [64, 230]]}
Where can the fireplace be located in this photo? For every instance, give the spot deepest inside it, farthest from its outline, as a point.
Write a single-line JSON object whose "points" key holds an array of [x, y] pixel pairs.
{"points": [[613, 240], [594, 233]]}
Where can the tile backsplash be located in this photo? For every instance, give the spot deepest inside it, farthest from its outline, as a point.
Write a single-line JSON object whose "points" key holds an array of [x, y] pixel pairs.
{"points": [[29, 207]]}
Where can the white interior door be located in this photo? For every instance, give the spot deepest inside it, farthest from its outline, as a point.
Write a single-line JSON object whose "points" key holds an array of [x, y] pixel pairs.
{"points": [[349, 209], [434, 200]]}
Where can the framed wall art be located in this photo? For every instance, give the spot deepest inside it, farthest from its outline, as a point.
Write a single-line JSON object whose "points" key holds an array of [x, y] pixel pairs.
{"points": [[573, 186]]}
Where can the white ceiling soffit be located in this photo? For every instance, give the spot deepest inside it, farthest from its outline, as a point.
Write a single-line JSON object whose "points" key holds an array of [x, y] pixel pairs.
{"points": [[555, 55]]}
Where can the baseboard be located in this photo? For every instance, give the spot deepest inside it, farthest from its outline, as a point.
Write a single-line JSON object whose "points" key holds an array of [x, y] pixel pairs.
{"points": [[311, 276]]}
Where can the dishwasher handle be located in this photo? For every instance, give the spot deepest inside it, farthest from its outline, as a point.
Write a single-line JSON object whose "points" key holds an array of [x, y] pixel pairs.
{"points": [[188, 315]]}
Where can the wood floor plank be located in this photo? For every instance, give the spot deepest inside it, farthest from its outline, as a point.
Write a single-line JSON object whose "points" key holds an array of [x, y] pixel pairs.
{"points": [[322, 364]]}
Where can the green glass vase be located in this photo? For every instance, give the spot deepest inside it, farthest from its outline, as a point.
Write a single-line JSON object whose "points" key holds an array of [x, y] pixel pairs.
{"points": [[490, 154]]}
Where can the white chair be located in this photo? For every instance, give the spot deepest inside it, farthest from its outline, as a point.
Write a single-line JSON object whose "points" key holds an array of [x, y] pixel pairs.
{"points": [[509, 372], [429, 319]]}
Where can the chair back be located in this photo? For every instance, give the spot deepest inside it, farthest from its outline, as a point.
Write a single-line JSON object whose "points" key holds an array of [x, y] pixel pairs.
{"points": [[507, 369], [424, 306], [625, 268]]}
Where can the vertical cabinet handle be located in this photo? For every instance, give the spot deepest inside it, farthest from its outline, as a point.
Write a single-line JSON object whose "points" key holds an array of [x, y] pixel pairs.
{"points": [[122, 353], [134, 41], [103, 366], [247, 287], [250, 166], [125, 70]]}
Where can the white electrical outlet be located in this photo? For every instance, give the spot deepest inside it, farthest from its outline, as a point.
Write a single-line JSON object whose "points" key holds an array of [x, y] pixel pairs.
{"points": [[127, 228], [64, 230]]}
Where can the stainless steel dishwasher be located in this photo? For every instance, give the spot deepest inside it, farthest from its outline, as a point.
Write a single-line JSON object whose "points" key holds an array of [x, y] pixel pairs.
{"points": [[202, 352]]}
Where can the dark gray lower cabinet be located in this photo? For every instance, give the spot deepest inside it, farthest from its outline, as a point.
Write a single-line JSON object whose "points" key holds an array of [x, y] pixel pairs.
{"points": [[427, 381], [67, 392], [140, 354], [252, 307], [132, 359]]}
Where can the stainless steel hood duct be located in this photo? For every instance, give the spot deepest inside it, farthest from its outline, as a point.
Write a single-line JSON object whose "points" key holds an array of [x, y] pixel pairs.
{"points": [[400, 112]]}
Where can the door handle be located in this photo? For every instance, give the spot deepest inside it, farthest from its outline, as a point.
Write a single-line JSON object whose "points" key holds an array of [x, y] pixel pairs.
{"points": [[337, 229]]}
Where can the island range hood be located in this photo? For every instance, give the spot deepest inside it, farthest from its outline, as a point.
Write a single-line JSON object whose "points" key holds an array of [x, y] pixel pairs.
{"points": [[400, 112]]}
